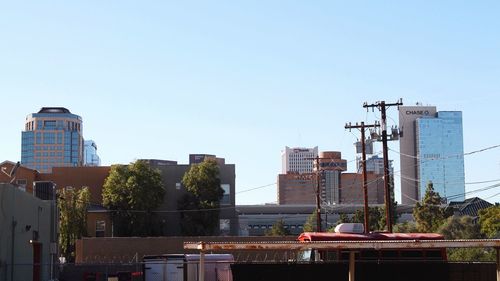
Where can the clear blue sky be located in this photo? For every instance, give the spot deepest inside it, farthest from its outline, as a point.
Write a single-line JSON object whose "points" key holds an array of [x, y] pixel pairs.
{"points": [[243, 79]]}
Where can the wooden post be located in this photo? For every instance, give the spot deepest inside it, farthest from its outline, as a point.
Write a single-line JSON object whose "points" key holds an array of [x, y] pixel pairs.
{"points": [[201, 268], [352, 265], [498, 264]]}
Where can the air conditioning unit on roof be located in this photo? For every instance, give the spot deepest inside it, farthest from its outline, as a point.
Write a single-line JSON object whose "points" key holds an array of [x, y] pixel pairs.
{"points": [[350, 228]]}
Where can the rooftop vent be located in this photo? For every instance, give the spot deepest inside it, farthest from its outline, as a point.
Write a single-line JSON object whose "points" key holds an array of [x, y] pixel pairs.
{"points": [[350, 228]]}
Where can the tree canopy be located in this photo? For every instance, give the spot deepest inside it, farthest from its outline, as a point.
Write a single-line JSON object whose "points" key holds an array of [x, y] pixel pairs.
{"points": [[489, 219], [405, 227], [133, 192], [72, 206], [310, 223], [429, 215], [374, 217], [463, 227], [200, 206], [278, 229], [460, 227]]}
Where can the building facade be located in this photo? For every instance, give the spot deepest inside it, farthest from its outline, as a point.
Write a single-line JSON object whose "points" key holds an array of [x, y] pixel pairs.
{"points": [[336, 186], [407, 148], [298, 160], [440, 155], [99, 221], [431, 149], [351, 189], [375, 164], [331, 166], [52, 137], [172, 174], [90, 154], [27, 231], [256, 220]]}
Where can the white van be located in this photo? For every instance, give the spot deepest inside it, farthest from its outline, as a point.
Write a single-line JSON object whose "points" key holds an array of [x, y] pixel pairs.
{"points": [[184, 267]]}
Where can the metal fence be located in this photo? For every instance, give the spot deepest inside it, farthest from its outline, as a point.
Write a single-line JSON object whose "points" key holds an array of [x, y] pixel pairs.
{"points": [[244, 267]]}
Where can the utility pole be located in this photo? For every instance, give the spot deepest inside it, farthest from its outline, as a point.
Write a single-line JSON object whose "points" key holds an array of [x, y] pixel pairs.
{"points": [[318, 194], [318, 199], [362, 128], [381, 105]]}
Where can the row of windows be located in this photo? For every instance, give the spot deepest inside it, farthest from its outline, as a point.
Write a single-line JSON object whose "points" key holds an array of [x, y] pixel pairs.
{"points": [[53, 160], [269, 226], [52, 154], [53, 125]]}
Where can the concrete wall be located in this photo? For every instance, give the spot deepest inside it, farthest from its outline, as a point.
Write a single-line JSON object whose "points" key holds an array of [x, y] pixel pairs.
{"points": [[27, 214]]}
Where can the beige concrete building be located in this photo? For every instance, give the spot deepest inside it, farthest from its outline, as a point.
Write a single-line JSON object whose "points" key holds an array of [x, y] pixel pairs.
{"points": [[27, 236]]}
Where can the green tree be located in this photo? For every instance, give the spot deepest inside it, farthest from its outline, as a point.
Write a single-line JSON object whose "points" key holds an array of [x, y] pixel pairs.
{"points": [[278, 229], [200, 206], [471, 254], [429, 215], [463, 227], [310, 224], [489, 219], [460, 227], [343, 218], [72, 206], [405, 227], [133, 192], [374, 218]]}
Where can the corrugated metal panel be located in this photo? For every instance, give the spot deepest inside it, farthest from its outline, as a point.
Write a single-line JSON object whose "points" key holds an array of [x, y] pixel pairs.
{"points": [[375, 244]]}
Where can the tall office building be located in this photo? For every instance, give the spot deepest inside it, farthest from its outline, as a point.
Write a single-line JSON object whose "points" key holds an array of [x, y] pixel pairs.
{"points": [[52, 137], [440, 152], [90, 154], [374, 164], [300, 188], [331, 165], [431, 149], [298, 160]]}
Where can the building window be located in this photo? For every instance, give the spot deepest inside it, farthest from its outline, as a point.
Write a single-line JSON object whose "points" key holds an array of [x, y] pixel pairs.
{"points": [[226, 196], [100, 228], [224, 226], [49, 124], [22, 184]]}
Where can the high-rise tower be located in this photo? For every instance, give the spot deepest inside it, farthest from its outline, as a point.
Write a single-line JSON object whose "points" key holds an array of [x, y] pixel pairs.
{"points": [[90, 157], [298, 159], [52, 138], [440, 152], [431, 149]]}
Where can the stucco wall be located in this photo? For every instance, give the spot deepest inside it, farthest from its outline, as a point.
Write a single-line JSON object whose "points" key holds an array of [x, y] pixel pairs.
{"points": [[28, 214]]}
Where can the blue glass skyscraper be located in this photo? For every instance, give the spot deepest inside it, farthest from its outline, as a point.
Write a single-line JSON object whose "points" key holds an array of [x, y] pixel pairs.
{"points": [[440, 154], [52, 138], [90, 154]]}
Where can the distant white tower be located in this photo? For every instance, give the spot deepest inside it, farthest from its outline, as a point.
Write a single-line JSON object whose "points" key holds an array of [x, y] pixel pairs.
{"points": [[298, 159]]}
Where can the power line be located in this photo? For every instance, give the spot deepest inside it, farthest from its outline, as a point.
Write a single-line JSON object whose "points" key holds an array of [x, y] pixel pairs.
{"points": [[255, 188], [448, 156]]}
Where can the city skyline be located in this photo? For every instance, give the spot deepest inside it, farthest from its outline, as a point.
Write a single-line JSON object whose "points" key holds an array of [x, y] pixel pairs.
{"points": [[165, 80]]}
